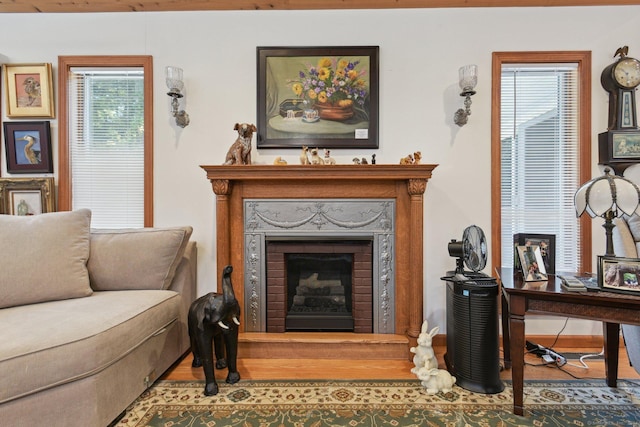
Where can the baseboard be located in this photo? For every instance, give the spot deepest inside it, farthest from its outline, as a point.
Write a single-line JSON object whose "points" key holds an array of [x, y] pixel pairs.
{"points": [[564, 341]]}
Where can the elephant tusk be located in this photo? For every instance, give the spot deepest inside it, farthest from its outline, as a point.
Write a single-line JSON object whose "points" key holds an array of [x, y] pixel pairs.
{"points": [[222, 325], [236, 321]]}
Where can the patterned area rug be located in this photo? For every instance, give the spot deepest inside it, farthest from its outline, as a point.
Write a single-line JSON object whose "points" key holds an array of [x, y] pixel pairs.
{"points": [[382, 403]]}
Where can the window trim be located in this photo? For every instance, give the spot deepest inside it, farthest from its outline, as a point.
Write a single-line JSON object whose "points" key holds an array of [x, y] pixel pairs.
{"points": [[583, 59], [65, 63]]}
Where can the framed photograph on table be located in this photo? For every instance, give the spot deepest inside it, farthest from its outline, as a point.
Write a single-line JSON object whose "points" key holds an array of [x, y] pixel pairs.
{"points": [[29, 90], [546, 243], [27, 196], [531, 263], [28, 147], [619, 274], [323, 97]]}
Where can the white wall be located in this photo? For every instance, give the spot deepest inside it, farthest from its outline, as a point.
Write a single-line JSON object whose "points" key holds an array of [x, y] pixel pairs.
{"points": [[420, 53]]}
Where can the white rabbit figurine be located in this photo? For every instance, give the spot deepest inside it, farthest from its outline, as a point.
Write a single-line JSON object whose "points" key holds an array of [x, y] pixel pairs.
{"points": [[424, 357], [436, 380]]}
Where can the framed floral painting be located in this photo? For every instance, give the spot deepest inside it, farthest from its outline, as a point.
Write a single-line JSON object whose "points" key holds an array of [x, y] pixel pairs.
{"points": [[318, 97]]}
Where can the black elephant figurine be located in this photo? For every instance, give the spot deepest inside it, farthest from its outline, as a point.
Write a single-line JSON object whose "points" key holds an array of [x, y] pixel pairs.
{"points": [[213, 320]]}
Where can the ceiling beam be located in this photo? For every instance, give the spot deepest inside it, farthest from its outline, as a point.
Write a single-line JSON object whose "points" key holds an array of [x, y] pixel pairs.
{"points": [[78, 6]]}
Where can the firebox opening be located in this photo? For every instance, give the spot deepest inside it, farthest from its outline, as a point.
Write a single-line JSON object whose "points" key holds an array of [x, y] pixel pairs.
{"points": [[319, 292]]}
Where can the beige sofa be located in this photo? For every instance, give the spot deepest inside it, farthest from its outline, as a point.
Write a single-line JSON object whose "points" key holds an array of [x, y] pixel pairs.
{"points": [[90, 318], [626, 243]]}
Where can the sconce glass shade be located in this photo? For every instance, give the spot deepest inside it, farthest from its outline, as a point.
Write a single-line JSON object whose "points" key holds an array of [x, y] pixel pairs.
{"points": [[468, 78], [607, 193], [173, 76]]}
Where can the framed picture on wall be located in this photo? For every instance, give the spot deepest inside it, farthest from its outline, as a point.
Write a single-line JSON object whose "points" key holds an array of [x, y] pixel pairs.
{"points": [[28, 90], [547, 245], [318, 97], [28, 147], [27, 196]]}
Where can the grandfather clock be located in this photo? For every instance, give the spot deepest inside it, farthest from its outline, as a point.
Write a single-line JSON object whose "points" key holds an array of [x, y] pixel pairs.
{"points": [[619, 146]]}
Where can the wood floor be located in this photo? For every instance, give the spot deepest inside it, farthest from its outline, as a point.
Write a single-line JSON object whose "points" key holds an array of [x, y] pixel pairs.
{"points": [[275, 369]]}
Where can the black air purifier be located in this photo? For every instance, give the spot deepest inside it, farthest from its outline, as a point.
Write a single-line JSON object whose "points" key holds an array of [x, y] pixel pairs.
{"points": [[473, 350], [472, 333]]}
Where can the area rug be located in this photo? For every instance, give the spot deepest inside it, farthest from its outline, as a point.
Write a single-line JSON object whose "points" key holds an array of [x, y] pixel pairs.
{"points": [[382, 403]]}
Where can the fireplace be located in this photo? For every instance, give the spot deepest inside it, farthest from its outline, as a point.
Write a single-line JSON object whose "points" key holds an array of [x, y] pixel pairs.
{"points": [[256, 204], [319, 286]]}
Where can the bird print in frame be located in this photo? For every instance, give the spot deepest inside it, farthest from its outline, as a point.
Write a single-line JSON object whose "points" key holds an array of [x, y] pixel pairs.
{"points": [[28, 146], [29, 90]]}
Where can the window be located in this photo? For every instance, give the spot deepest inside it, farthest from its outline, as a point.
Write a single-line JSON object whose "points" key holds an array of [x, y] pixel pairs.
{"points": [[541, 152], [105, 139]]}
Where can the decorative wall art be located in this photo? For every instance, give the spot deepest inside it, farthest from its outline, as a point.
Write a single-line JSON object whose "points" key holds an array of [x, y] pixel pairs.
{"points": [[29, 90], [619, 274], [318, 96], [28, 147], [27, 196]]}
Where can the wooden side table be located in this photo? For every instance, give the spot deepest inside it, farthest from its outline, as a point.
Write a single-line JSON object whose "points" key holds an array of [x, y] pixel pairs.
{"points": [[520, 298]]}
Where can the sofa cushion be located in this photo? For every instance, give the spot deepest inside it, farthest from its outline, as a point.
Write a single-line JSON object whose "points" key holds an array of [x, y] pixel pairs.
{"points": [[44, 257], [144, 258], [57, 342]]}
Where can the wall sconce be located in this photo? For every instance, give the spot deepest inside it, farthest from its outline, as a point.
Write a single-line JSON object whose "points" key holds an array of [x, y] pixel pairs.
{"points": [[175, 84], [468, 80]]}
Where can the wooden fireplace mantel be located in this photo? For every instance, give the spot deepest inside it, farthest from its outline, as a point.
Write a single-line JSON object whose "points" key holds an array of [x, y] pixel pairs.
{"points": [[404, 183]]}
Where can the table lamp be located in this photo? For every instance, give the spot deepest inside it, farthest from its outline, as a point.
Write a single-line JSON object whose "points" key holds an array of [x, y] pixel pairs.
{"points": [[607, 196]]}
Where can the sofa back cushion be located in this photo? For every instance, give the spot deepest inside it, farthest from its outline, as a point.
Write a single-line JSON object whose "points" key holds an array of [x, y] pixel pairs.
{"points": [[144, 258], [44, 257]]}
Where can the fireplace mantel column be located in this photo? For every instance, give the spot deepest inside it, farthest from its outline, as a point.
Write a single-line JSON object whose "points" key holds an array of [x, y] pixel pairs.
{"points": [[222, 190], [416, 189]]}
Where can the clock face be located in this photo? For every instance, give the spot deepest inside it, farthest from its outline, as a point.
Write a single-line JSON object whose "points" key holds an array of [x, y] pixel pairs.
{"points": [[627, 72]]}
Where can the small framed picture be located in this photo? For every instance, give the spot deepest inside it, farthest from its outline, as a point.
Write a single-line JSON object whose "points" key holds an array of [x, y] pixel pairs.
{"points": [[27, 196], [532, 264], [29, 90], [28, 147], [619, 274], [547, 245]]}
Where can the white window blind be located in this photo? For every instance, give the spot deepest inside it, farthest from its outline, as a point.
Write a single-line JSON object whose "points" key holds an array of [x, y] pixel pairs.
{"points": [[106, 143], [539, 157]]}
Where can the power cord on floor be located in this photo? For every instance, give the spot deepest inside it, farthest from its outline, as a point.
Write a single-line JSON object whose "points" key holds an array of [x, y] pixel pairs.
{"points": [[554, 359]]}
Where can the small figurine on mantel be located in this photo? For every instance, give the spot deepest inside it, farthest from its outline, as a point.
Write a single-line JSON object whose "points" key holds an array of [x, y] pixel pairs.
{"points": [[315, 157], [328, 160], [304, 155], [240, 151], [412, 159]]}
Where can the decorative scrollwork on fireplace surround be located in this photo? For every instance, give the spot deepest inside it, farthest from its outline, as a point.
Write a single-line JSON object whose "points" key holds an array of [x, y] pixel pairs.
{"points": [[326, 219]]}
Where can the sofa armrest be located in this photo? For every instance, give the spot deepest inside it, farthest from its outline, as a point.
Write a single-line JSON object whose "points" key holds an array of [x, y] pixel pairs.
{"points": [[623, 243], [185, 283]]}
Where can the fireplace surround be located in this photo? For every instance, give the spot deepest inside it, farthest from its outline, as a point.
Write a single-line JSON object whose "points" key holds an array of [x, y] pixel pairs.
{"points": [[399, 187]]}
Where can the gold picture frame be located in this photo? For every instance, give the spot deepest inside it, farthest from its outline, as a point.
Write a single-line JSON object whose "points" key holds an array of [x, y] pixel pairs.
{"points": [[29, 90], [27, 196]]}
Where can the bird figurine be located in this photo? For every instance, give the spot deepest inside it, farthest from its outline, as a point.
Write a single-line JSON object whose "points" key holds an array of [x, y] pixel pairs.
{"points": [[33, 156], [622, 51], [32, 89]]}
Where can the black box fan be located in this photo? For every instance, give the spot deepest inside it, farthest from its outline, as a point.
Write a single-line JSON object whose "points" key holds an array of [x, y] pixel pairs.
{"points": [[473, 353]]}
